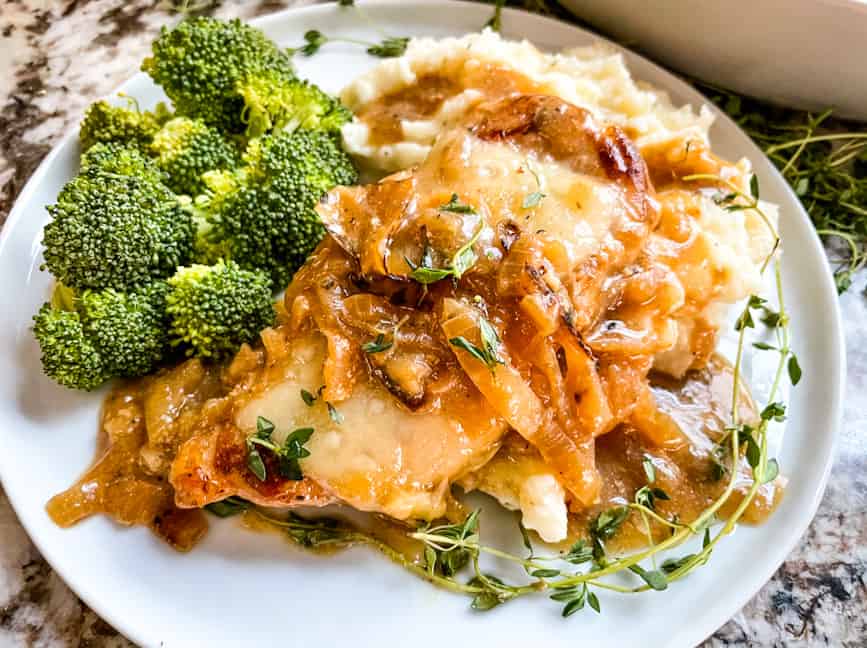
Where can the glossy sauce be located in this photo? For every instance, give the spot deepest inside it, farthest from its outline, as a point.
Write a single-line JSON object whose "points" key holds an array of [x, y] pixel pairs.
{"points": [[700, 405], [419, 101], [141, 420], [422, 100]]}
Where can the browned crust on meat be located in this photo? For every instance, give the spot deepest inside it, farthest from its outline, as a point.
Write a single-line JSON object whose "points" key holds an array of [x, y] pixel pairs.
{"points": [[213, 466], [550, 125]]}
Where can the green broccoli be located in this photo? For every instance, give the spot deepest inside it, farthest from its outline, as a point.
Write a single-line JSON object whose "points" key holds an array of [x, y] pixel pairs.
{"points": [[272, 102], [200, 63], [68, 356], [263, 216], [113, 231], [129, 329], [186, 148], [119, 159], [106, 123], [88, 339], [214, 309]]}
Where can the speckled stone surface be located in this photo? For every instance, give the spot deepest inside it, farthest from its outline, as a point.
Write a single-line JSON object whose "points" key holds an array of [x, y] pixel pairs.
{"points": [[56, 57]]}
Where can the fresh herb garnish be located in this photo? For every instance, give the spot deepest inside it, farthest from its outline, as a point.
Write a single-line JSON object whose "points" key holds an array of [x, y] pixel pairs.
{"points": [[388, 47], [649, 469], [532, 200], [579, 553], [656, 579], [308, 398], [462, 261], [455, 206], [426, 275], [313, 40], [606, 524], [495, 22], [287, 454], [647, 496], [228, 507], [489, 353], [378, 345], [795, 371], [825, 162], [449, 557], [334, 414]]}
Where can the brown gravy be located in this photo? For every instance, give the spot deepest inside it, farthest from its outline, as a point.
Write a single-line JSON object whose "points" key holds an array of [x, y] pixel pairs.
{"points": [[143, 423], [122, 484], [700, 406], [421, 100]]}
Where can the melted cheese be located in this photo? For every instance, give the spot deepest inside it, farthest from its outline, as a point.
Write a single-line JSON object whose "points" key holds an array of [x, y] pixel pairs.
{"points": [[380, 456]]}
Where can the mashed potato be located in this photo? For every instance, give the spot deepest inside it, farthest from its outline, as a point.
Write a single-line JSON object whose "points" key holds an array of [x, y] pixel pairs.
{"points": [[594, 78]]}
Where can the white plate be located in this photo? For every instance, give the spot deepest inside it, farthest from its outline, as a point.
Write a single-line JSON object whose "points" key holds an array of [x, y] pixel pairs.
{"points": [[237, 587], [799, 53]]}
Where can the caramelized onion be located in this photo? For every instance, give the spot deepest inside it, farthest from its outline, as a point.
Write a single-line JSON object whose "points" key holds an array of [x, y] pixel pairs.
{"points": [[513, 399]]}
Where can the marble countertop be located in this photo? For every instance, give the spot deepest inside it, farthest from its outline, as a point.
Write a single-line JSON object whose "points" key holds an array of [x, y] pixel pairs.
{"points": [[56, 57]]}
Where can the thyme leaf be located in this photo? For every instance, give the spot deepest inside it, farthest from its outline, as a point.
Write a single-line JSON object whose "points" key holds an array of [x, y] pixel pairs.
{"points": [[334, 414], [378, 345], [455, 206], [390, 47], [649, 469], [794, 369], [579, 553], [255, 463], [287, 454], [655, 578], [461, 262], [489, 353], [228, 507]]}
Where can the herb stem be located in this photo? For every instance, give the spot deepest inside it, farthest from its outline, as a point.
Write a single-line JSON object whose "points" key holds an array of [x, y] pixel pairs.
{"points": [[812, 139], [650, 512]]}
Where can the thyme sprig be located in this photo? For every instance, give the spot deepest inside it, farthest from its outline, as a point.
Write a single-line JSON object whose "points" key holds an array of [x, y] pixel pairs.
{"points": [[388, 47], [825, 162]]}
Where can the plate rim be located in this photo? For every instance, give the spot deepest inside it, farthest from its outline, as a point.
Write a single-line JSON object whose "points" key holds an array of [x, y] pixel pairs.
{"points": [[720, 614]]}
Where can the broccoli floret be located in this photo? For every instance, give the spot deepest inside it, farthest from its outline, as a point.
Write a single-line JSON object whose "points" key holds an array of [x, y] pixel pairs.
{"points": [[68, 356], [200, 63], [88, 339], [271, 102], [263, 216], [119, 159], [186, 148], [214, 309], [106, 123], [128, 329], [113, 231], [314, 157]]}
